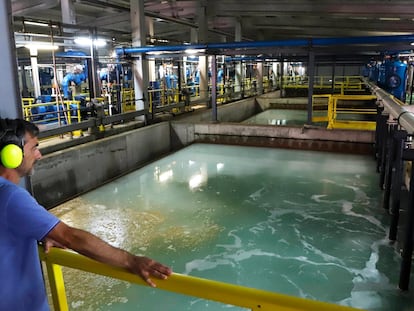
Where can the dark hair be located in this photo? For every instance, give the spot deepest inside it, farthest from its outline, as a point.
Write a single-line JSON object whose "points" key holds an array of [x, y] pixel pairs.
{"points": [[30, 127], [17, 127]]}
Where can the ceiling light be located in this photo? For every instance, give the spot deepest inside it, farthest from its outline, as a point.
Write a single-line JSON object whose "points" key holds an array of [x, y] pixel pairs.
{"points": [[40, 24], [389, 19], [85, 41], [41, 46], [193, 51]]}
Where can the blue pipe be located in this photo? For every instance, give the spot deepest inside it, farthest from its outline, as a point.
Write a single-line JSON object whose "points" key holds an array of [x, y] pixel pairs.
{"points": [[72, 53], [262, 44]]}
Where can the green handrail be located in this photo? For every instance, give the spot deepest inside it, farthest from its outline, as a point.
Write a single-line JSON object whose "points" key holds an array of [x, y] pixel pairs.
{"points": [[236, 295]]}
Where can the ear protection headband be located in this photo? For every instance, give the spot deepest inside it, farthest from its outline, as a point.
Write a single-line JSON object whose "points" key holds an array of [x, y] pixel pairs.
{"points": [[11, 144]]}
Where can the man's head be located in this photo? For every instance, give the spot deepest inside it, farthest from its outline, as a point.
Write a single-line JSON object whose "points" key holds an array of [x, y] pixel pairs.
{"points": [[18, 145], [77, 69]]}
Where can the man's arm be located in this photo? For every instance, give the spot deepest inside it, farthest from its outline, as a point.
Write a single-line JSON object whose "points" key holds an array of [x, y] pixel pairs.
{"points": [[93, 247]]}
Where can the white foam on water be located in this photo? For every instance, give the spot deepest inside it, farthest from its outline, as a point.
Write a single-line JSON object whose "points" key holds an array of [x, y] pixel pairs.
{"points": [[326, 257], [363, 300], [347, 210], [300, 292]]}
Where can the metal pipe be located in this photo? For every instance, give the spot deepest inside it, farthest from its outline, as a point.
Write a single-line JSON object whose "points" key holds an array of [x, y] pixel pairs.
{"points": [[264, 44], [404, 117]]}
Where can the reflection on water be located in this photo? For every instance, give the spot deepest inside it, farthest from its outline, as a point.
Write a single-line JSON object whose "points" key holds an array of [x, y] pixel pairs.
{"points": [[283, 117], [301, 223]]}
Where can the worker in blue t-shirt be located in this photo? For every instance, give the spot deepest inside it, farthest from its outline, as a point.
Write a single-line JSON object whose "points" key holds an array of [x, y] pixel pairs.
{"points": [[23, 223], [72, 81]]}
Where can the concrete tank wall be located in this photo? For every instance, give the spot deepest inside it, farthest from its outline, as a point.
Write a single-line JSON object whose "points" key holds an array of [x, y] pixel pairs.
{"points": [[65, 174], [62, 175], [233, 112]]}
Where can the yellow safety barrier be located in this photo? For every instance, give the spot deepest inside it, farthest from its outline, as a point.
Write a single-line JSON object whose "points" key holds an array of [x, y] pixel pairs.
{"points": [[27, 104], [324, 107], [340, 84], [250, 298], [340, 117], [128, 99], [346, 122], [64, 107]]}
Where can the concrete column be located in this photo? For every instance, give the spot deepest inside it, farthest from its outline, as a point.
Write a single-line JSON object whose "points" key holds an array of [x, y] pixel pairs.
{"points": [[151, 62], [184, 69], [139, 68], [203, 38], [311, 74], [11, 106], [275, 74], [282, 73], [94, 86], [238, 69], [333, 75], [202, 22], [203, 67], [68, 13], [213, 88], [259, 78], [194, 35], [35, 72]]}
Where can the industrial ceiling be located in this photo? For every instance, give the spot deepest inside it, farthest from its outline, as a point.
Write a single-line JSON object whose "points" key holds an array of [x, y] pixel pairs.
{"points": [[260, 20]]}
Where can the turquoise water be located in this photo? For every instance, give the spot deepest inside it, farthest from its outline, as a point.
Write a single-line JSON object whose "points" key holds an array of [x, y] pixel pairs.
{"points": [[302, 223], [291, 117], [283, 117]]}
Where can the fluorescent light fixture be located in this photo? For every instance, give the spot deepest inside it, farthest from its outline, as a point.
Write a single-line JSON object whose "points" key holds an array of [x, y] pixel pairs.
{"points": [[85, 41], [41, 46], [193, 51], [389, 19], [40, 24], [155, 53]]}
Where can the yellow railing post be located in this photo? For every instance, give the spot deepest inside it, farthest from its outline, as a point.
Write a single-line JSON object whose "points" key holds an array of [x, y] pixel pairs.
{"points": [[331, 111], [56, 283]]}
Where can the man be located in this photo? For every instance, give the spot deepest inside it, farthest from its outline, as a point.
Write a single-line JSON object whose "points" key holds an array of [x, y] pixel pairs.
{"points": [[23, 222]]}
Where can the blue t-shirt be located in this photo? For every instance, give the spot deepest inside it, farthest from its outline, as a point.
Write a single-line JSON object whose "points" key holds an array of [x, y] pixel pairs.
{"points": [[23, 222]]}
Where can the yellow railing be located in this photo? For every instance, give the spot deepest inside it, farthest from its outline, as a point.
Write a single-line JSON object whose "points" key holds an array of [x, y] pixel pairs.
{"points": [[128, 99], [345, 114], [340, 83], [250, 298], [62, 111], [324, 104]]}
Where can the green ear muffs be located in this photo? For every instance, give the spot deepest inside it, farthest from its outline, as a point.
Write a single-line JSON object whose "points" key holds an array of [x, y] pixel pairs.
{"points": [[11, 156], [11, 144]]}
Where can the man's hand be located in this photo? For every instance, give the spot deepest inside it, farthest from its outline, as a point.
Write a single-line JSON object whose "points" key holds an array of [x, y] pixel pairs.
{"points": [[146, 267], [91, 246], [48, 243]]}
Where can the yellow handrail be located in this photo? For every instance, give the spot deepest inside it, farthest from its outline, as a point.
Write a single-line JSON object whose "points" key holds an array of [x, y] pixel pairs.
{"points": [[64, 107], [251, 298], [330, 115]]}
